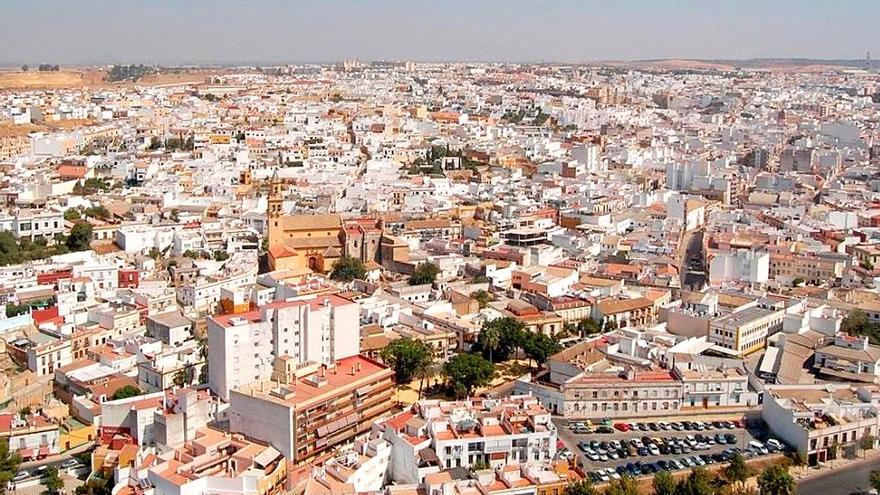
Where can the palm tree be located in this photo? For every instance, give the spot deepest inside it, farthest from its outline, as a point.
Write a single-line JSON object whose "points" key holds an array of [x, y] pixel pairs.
{"points": [[491, 338], [424, 371], [775, 480]]}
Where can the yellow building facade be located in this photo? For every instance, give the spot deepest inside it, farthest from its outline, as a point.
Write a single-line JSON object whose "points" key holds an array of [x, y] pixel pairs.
{"points": [[299, 242]]}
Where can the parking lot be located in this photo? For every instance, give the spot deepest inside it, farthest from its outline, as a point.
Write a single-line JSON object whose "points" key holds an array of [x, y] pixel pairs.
{"points": [[645, 450]]}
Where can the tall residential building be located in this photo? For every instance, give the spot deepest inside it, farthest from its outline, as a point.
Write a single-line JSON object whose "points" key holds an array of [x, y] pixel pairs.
{"points": [[304, 412], [244, 346]]}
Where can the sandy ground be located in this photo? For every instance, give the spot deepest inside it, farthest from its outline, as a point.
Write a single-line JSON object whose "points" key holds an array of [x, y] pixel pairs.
{"points": [[189, 77], [505, 371], [34, 79]]}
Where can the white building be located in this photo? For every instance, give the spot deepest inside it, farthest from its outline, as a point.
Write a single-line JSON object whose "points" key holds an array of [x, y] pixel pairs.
{"points": [[436, 435], [741, 265], [817, 420], [244, 346]]}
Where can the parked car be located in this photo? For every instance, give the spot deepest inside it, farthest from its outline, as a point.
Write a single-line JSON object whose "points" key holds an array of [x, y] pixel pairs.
{"points": [[604, 430], [676, 426], [621, 426], [772, 442], [69, 463], [21, 476]]}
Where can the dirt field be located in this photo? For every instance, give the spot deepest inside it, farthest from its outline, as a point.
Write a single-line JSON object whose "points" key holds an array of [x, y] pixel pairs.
{"points": [[167, 79], [34, 79]]}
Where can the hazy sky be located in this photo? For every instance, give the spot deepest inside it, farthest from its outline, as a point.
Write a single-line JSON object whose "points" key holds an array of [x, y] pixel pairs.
{"points": [[190, 31]]}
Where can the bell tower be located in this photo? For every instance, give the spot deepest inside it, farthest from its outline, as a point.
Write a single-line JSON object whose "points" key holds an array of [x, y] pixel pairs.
{"points": [[275, 199], [274, 210]]}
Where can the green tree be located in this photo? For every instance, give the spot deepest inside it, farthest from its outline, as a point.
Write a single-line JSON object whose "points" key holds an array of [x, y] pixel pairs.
{"points": [[9, 462], [425, 273], [797, 458], [71, 214], [481, 297], [490, 338], [179, 379], [80, 237], [582, 487], [479, 465], [855, 322], [775, 480], [539, 347], [100, 212], [587, 326], [626, 485], [832, 449], [737, 471], [698, 482], [875, 480], [510, 332], [189, 253], [663, 483], [407, 357], [348, 268], [52, 481], [126, 392], [221, 255], [866, 443], [24, 412], [466, 372]]}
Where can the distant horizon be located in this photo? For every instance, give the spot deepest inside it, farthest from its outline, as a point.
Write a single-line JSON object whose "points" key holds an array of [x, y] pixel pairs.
{"points": [[221, 32], [263, 63]]}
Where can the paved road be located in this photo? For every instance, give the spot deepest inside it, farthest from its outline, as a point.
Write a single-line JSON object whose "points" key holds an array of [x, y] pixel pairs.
{"points": [[842, 481], [692, 275]]}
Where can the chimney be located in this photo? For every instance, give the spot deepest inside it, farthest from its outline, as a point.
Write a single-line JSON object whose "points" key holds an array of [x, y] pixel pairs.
{"points": [[352, 371], [358, 365]]}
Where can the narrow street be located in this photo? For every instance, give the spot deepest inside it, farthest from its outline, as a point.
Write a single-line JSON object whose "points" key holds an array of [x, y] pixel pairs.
{"points": [[690, 260]]}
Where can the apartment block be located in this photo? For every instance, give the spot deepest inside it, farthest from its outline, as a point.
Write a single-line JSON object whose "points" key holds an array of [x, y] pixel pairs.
{"points": [[244, 346], [306, 411]]}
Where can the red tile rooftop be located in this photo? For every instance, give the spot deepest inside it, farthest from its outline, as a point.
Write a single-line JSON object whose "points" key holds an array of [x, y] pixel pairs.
{"points": [[349, 372], [398, 422]]}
